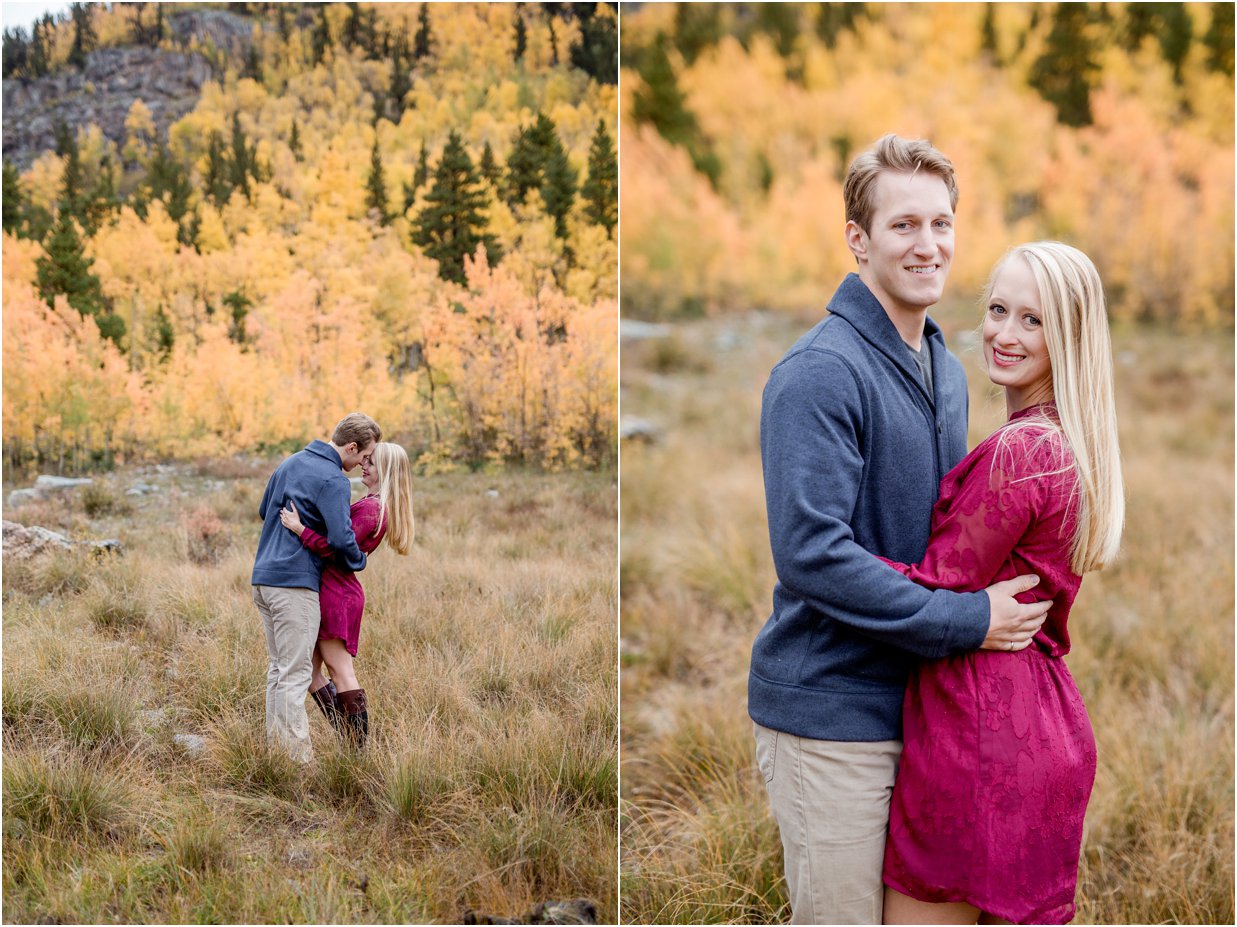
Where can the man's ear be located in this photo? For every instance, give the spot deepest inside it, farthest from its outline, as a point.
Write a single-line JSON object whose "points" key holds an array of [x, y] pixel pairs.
{"points": [[857, 241]]}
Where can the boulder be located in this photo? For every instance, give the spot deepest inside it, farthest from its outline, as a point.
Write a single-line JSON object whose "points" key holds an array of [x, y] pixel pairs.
{"points": [[21, 542]]}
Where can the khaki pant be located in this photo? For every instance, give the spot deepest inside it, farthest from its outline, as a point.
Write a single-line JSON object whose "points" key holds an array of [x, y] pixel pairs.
{"points": [[290, 618], [831, 802]]}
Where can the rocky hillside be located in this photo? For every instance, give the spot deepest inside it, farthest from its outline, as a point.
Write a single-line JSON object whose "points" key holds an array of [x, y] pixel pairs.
{"points": [[167, 81]]}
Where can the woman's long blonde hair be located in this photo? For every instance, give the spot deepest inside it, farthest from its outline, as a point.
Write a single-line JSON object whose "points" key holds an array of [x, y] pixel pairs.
{"points": [[395, 494], [1079, 348]]}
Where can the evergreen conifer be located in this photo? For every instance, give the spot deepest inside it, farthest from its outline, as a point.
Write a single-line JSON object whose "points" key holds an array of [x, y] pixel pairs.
{"points": [[521, 35], [600, 191], [1062, 73], [424, 39], [64, 269], [376, 186], [452, 223], [11, 200]]}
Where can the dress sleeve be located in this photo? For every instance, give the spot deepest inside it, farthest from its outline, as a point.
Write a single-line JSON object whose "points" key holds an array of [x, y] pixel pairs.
{"points": [[365, 525], [977, 528]]}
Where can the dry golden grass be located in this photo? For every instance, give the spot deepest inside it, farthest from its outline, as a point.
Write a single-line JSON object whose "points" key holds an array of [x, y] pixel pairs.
{"points": [[490, 779], [1153, 635]]}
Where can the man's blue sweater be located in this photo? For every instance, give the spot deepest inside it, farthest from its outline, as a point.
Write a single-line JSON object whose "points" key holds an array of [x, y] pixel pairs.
{"points": [[854, 450], [314, 481]]}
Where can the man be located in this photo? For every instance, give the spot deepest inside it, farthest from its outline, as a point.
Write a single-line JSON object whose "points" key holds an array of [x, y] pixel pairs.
{"points": [[286, 575], [859, 422]]}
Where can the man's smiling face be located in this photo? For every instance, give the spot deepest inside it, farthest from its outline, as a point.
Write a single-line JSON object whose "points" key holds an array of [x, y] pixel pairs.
{"points": [[905, 258]]}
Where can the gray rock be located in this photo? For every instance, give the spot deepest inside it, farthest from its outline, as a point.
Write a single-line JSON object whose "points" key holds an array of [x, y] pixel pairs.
{"points": [[492, 493], [141, 489], [20, 496], [47, 483], [192, 744], [640, 429], [22, 543], [635, 330]]}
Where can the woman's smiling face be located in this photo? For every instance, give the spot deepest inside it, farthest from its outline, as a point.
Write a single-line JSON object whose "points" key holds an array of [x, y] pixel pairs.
{"points": [[369, 475], [1015, 349]]}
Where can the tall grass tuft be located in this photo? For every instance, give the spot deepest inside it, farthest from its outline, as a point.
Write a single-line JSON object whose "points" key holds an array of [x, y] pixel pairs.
{"points": [[64, 796]]}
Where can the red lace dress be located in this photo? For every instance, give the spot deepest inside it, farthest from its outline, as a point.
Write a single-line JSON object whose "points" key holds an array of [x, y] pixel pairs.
{"points": [[998, 755], [340, 595]]}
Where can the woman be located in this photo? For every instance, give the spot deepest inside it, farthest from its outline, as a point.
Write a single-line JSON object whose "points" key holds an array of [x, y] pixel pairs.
{"points": [[999, 758], [385, 512]]}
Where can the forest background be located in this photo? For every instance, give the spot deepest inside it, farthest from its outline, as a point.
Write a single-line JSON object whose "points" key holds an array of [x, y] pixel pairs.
{"points": [[405, 208], [1109, 126]]}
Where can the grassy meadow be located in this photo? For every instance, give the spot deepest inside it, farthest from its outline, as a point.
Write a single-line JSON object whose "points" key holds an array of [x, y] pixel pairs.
{"points": [[488, 654], [1153, 635]]}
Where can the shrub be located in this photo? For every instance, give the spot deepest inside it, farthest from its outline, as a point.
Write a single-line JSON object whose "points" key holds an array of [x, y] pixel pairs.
{"points": [[206, 534]]}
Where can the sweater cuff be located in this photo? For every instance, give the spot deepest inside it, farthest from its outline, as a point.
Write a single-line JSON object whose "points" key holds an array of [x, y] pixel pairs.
{"points": [[969, 627]]}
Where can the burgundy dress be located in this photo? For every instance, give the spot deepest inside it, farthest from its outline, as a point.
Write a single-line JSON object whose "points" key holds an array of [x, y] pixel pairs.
{"points": [[998, 755], [340, 595]]}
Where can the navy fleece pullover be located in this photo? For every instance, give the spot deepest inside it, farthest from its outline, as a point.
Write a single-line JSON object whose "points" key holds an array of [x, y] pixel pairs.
{"points": [[312, 479], [853, 449]]}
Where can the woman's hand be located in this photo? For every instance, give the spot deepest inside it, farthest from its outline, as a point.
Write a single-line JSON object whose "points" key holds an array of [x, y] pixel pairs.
{"points": [[291, 519]]}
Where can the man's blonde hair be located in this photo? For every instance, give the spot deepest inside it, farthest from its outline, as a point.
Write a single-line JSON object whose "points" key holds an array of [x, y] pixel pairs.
{"points": [[891, 153], [358, 427]]}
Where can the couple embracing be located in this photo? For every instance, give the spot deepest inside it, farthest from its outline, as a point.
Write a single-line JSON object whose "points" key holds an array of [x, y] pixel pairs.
{"points": [[925, 750], [313, 543]]}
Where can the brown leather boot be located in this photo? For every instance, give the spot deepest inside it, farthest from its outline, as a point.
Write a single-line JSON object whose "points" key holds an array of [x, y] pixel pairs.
{"points": [[355, 710], [327, 699]]}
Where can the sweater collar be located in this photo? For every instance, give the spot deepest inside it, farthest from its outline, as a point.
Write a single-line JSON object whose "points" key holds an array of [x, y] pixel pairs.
{"points": [[322, 449], [854, 302]]}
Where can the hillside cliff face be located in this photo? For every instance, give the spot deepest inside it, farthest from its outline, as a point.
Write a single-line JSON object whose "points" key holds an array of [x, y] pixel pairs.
{"points": [[167, 81]]}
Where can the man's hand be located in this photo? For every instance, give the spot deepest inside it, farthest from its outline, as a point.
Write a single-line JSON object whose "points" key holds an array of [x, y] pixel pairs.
{"points": [[1011, 624]]}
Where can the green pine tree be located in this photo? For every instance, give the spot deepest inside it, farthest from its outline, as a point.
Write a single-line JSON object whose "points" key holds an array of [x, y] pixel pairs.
{"points": [[16, 56], [38, 46], [217, 182], [452, 223], [988, 40], [253, 63], [1062, 74], [489, 166], [425, 39], [596, 51], [421, 176], [521, 36], [294, 141], [241, 164], [72, 199], [321, 37], [833, 19], [600, 191], [376, 186], [102, 200], [12, 199], [401, 78], [558, 187], [1218, 40], [697, 26], [84, 38], [525, 164], [64, 269]]}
